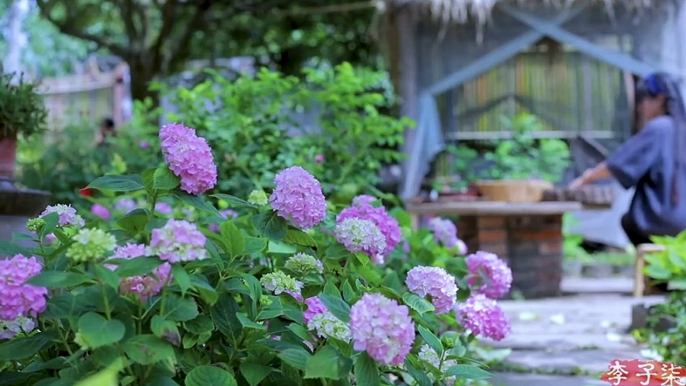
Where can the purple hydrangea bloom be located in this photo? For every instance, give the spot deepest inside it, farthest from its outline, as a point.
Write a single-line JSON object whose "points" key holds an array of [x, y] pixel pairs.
{"points": [[314, 307], [498, 275], [298, 197], [382, 328], [125, 205], [225, 214], [67, 215], [363, 200], [483, 317], [100, 211], [164, 208], [388, 225], [444, 231], [178, 240], [436, 283], [18, 298], [145, 286], [360, 236], [189, 157]]}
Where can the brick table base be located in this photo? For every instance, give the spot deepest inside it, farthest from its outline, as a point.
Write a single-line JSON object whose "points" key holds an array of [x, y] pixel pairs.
{"points": [[530, 244]]}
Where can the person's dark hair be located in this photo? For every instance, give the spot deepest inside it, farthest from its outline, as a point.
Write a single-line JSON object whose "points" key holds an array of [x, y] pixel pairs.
{"points": [[107, 124], [658, 84]]}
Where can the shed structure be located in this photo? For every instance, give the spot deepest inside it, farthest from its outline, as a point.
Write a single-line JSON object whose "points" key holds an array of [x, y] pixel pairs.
{"points": [[462, 64]]}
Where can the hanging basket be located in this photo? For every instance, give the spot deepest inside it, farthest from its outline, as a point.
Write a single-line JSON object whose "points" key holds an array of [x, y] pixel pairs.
{"points": [[515, 191]]}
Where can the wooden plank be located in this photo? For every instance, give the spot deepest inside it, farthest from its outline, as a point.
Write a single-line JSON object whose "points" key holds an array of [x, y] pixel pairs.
{"points": [[493, 208]]}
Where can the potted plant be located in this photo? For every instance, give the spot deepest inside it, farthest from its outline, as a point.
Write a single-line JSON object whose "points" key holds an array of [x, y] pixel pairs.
{"points": [[525, 167], [22, 113]]}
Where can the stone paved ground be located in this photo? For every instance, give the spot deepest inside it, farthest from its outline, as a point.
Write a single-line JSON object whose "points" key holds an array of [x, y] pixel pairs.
{"points": [[569, 341]]}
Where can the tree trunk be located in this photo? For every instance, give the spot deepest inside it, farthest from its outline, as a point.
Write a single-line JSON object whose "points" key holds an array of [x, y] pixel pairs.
{"points": [[141, 75]]}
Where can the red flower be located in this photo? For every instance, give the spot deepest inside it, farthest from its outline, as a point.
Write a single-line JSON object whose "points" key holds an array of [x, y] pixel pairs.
{"points": [[86, 192]]}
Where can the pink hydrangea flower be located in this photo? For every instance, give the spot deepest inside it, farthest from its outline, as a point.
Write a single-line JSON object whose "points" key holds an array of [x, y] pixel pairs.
{"points": [[483, 317], [178, 240], [100, 211], [189, 157], [319, 158], [144, 144], [362, 200], [498, 275], [145, 286], [388, 225], [125, 205], [298, 197], [226, 213], [436, 283], [18, 298], [462, 248], [164, 208], [444, 231], [314, 307], [382, 328], [66, 213], [359, 235]]}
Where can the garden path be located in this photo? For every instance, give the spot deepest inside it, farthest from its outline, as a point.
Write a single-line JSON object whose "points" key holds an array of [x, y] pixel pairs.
{"points": [[569, 341]]}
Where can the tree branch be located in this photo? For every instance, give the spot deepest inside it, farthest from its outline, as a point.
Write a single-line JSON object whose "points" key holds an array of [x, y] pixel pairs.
{"points": [[181, 47], [168, 14], [67, 28]]}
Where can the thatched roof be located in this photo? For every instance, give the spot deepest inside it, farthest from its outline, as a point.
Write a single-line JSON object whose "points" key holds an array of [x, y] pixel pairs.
{"points": [[461, 11]]}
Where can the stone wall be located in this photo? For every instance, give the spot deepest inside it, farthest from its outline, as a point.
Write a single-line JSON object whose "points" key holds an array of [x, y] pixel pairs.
{"points": [[531, 245]]}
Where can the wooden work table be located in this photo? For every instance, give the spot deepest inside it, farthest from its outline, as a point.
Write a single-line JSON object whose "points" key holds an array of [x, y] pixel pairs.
{"points": [[527, 236]]}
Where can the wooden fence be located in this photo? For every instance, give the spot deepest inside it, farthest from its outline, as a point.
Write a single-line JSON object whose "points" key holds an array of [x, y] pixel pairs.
{"points": [[91, 97]]}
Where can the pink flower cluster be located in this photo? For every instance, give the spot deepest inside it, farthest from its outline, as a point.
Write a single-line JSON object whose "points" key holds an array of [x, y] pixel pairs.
{"points": [[436, 283], [298, 197], [314, 307], [100, 211], [145, 286], [498, 275], [178, 240], [19, 299], [382, 328], [359, 235], [445, 233], [362, 208], [483, 317], [67, 215], [189, 157]]}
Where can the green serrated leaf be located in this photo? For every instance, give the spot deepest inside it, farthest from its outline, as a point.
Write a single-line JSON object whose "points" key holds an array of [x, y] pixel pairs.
{"points": [[298, 237], [247, 323], [135, 221], [233, 238], [254, 373], [209, 376], [418, 304], [118, 183], [366, 370], [148, 349], [181, 278], [270, 225], [234, 202], [468, 372], [165, 179], [96, 331], [339, 308], [431, 339], [327, 363], [56, 279]]}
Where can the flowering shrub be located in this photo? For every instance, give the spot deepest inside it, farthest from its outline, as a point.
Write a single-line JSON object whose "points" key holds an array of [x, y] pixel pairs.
{"points": [[281, 293]]}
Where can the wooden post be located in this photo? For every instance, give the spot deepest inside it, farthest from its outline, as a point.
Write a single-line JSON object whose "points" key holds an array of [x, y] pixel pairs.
{"points": [[408, 70], [640, 280]]}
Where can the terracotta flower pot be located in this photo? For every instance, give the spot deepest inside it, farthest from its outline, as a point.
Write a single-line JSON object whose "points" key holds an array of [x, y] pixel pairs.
{"points": [[8, 157]]}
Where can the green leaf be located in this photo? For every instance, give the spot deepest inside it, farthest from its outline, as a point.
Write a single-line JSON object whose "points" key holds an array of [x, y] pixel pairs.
{"points": [[105, 377], [8, 248], [336, 252], [468, 372], [197, 202], [165, 179], [234, 239], [199, 325], [118, 183], [51, 221], [247, 323], [205, 290], [209, 376], [254, 245], [254, 373], [657, 272], [26, 347], [281, 248], [366, 370], [348, 292], [179, 309], [134, 222], [148, 349], [58, 279], [108, 276], [296, 357], [165, 329], [298, 237], [327, 363], [301, 332], [161, 381], [336, 306], [418, 375], [270, 225], [223, 315], [96, 331], [181, 278], [234, 202], [136, 267], [418, 304], [431, 339], [677, 284]]}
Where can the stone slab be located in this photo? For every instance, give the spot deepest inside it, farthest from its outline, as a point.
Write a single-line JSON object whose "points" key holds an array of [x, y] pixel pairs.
{"points": [[493, 208], [516, 379]]}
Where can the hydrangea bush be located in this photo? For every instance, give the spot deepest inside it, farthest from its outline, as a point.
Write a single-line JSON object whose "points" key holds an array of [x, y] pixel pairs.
{"points": [[276, 291]]}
